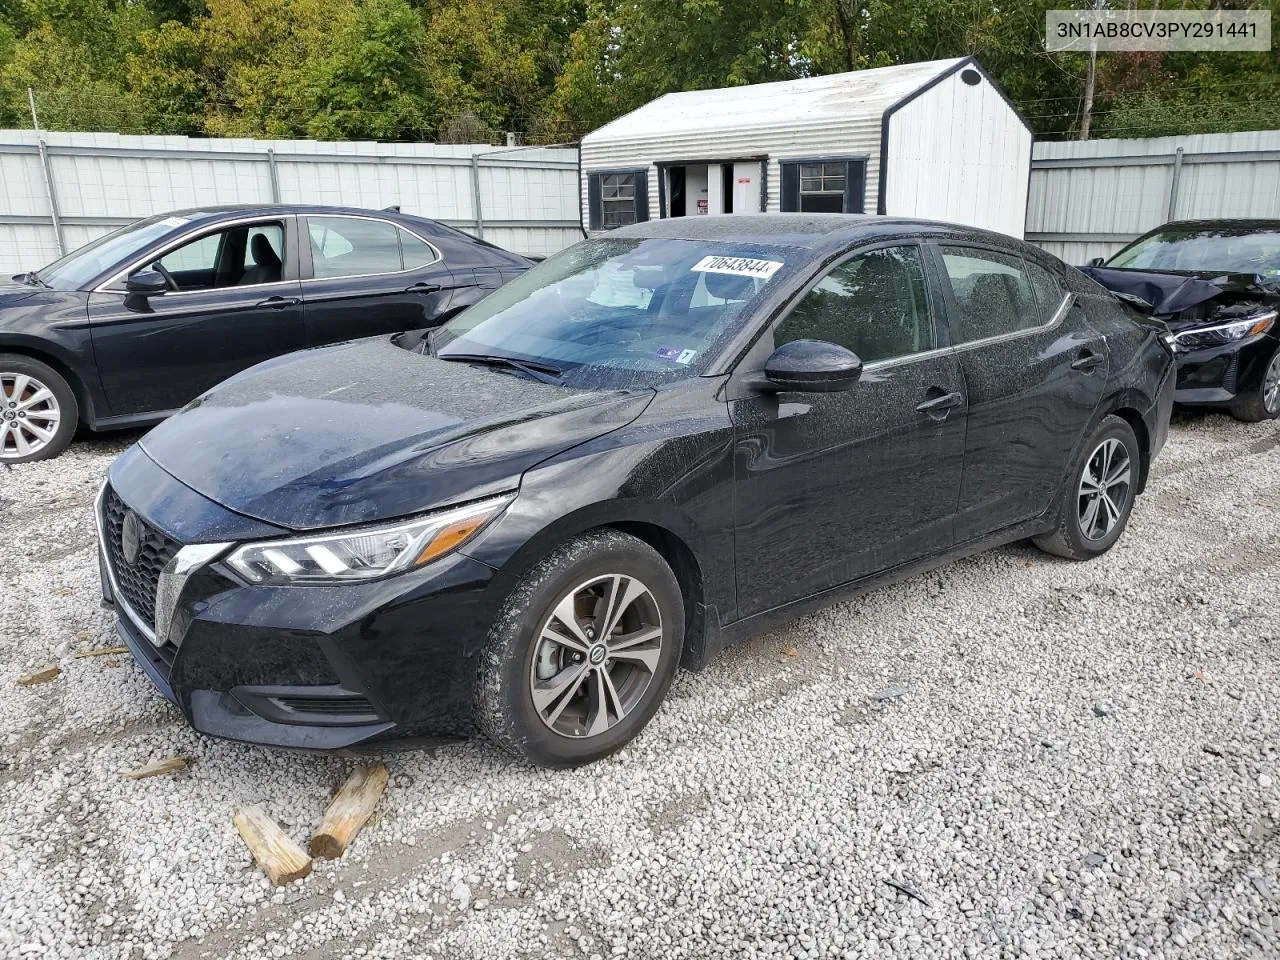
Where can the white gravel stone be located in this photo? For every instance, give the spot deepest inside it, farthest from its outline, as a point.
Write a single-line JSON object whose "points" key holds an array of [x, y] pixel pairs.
{"points": [[940, 734]]}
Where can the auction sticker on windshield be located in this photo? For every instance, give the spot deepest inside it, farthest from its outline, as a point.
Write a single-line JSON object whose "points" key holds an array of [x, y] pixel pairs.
{"points": [[738, 266]]}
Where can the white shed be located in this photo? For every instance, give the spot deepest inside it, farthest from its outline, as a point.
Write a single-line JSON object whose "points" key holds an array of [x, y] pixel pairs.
{"points": [[935, 140]]}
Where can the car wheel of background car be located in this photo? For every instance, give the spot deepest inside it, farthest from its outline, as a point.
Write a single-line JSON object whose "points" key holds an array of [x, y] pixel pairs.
{"points": [[1099, 494], [38, 410], [1263, 401], [583, 651]]}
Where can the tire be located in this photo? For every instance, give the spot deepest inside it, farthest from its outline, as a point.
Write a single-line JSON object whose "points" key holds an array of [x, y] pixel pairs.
{"points": [[1086, 526], [1252, 406], [35, 401], [555, 731]]}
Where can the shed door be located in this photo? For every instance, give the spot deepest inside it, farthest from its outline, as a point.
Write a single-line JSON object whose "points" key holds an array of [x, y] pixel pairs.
{"points": [[746, 188]]}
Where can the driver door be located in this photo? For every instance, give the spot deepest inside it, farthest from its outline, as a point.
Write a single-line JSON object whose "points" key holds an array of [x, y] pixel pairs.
{"points": [[224, 312], [834, 487]]}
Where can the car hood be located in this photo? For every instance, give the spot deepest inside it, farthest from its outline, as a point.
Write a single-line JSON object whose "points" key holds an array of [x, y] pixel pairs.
{"points": [[367, 431], [12, 293], [1169, 293]]}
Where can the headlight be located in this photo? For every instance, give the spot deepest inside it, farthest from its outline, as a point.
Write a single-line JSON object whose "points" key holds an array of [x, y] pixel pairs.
{"points": [[1219, 334], [364, 553]]}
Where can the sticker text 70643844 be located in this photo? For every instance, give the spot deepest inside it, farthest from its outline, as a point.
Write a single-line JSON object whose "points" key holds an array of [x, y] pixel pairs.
{"points": [[737, 266]]}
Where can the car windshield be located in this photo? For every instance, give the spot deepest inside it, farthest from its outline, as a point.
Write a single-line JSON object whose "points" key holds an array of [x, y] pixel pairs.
{"points": [[615, 313], [80, 266], [1229, 249]]}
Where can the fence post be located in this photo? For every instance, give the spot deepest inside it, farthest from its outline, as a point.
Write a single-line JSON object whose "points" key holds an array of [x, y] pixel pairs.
{"points": [[475, 194], [1173, 185], [275, 179], [54, 216]]}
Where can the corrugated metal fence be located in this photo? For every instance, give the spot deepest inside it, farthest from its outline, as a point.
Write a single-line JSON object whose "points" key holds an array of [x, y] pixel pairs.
{"points": [[1089, 198], [60, 190]]}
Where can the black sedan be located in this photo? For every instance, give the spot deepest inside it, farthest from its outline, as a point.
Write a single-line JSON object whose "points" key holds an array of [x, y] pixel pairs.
{"points": [[127, 329], [1216, 283], [652, 445]]}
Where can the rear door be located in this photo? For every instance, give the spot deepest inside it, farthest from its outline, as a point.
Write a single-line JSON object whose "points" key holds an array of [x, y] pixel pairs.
{"points": [[227, 313], [1035, 371], [833, 487], [366, 276]]}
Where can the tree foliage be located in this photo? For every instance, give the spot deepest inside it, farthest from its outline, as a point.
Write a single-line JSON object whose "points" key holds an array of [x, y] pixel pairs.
{"points": [[552, 70]]}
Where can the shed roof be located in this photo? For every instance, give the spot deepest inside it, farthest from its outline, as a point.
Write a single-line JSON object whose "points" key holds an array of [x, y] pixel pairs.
{"points": [[769, 105]]}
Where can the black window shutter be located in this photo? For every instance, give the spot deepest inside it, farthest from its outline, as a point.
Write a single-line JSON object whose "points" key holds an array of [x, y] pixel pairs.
{"points": [[855, 186], [789, 195], [642, 195], [595, 202]]}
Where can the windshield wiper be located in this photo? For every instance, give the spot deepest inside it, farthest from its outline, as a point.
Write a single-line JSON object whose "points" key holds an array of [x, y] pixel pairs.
{"points": [[30, 279], [542, 372]]}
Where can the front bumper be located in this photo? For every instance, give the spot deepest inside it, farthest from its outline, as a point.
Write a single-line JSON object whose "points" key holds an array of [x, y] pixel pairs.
{"points": [[310, 667], [1217, 375]]}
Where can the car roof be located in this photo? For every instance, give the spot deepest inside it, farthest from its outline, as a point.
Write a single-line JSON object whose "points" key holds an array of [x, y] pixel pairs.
{"points": [[810, 231], [1242, 223], [214, 214]]}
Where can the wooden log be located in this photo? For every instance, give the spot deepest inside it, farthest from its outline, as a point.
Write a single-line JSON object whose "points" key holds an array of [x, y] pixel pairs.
{"points": [[156, 768], [282, 860], [101, 652], [39, 676], [347, 812]]}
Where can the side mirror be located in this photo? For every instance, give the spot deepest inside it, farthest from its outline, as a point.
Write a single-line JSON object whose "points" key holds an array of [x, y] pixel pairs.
{"points": [[146, 283], [813, 366], [1096, 262]]}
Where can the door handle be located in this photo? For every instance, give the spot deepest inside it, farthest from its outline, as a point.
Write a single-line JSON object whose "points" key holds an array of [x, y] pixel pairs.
{"points": [[279, 303], [1086, 361], [423, 287], [940, 406]]}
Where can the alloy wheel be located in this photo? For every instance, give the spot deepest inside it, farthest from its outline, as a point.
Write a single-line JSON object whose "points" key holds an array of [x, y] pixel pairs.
{"points": [[29, 415], [1271, 386], [596, 655], [1104, 489]]}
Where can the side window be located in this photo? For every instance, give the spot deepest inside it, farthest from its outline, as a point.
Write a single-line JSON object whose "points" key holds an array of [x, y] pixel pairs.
{"points": [[239, 256], [351, 247], [416, 251], [992, 292], [1048, 288], [198, 256], [874, 305]]}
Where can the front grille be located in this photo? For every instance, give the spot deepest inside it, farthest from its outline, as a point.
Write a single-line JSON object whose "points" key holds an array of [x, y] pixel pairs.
{"points": [[136, 581], [333, 706]]}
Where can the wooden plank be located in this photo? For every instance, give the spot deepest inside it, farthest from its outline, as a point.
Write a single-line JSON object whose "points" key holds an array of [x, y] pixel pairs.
{"points": [[101, 652], [43, 675], [347, 812], [282, 860], [156, 768]]}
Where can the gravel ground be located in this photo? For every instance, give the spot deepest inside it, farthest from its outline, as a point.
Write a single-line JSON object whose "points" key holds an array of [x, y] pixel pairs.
{"points": [[1013, 756]]}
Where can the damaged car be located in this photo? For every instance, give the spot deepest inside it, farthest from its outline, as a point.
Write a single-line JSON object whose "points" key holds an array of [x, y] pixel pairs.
{"points": [[1216, 285]]}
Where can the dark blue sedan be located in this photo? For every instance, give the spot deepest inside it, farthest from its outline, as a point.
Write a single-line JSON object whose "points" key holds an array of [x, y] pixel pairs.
{"points": [[126, 330]]}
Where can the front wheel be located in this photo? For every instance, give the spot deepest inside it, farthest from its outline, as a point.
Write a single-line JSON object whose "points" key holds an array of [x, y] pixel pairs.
{"points": [[38, 411], [1261, 402], [1098, 495], [582, 653]]}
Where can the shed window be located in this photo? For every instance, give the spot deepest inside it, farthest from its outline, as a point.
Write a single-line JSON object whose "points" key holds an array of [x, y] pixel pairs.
{"points": [[619, 192], [823, 186], [618, 198]]}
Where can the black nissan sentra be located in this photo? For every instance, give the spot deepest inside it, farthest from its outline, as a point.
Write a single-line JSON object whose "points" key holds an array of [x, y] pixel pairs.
{"points": [[650, 446]]}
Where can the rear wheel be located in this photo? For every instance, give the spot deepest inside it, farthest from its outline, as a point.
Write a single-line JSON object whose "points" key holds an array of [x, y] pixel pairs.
{"points": [[38, 410], [1262, 402], [583, 652], [1098, 495]]}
